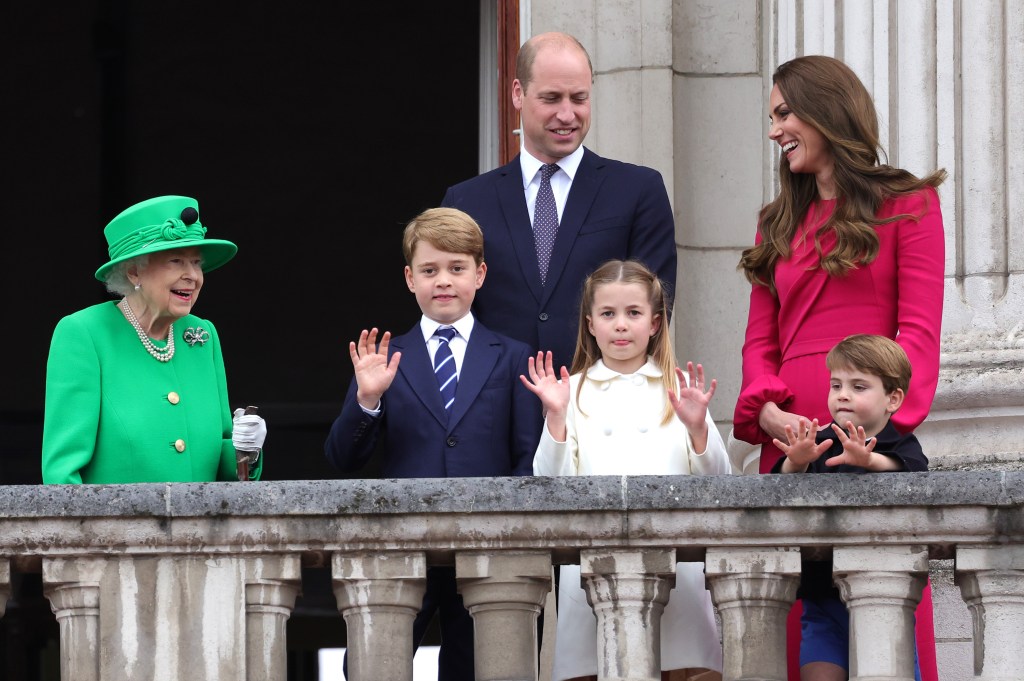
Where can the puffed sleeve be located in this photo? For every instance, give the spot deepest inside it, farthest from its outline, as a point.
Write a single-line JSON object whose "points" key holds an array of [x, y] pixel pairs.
{"points": [[71, 419], [920, 259], [714, 460], [762, 356]]}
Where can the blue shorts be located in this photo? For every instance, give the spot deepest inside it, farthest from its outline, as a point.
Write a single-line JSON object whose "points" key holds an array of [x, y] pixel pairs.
{"points": [[825, 634]]}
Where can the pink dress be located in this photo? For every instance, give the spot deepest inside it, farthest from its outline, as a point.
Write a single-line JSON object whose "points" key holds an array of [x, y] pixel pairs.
{"points": [[898, 295]]}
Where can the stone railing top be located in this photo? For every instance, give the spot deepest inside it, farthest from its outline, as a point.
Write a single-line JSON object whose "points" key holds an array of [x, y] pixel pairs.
{"points": [[517, 495], [560, 515]]}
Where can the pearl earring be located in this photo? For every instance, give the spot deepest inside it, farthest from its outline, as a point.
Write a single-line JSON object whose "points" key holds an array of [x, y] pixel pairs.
{"points": [[138, 286]]}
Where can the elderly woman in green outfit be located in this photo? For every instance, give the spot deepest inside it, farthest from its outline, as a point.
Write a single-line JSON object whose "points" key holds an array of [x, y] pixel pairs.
{"points": [[135, 388]]}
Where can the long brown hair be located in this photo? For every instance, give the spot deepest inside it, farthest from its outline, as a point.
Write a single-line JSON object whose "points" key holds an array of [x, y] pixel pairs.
{"points": [[659, 346], [827, 95]]}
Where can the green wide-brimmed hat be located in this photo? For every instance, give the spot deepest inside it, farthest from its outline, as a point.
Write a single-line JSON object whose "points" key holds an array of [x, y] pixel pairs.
{"points": [[161, 224]]}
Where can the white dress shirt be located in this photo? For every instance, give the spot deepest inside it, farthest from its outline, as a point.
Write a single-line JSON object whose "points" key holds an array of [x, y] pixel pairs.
{"points": [[463, 328], [561, 182]]}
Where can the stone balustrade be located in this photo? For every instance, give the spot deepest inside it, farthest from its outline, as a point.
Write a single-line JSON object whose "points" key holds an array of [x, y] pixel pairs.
{"points": [[196, 581]]}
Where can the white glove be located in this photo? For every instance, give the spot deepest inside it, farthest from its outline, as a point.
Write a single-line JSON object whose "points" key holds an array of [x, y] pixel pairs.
{"points": [[248, 431]]}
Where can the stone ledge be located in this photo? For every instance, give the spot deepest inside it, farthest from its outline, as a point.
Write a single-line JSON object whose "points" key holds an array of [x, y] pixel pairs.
{"points": [[512, 495]]}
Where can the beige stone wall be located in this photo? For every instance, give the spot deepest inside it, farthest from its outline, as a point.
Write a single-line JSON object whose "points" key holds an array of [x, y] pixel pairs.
{"points": [[681, 86]]}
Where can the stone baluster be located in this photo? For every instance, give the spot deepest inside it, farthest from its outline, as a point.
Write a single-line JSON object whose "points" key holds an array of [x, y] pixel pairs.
{"points": [[991, 580], [5, 585], [271, 585], [753, 589], [379, 596], [504, 592], [628, 591], [73, 587], [881, 586]]}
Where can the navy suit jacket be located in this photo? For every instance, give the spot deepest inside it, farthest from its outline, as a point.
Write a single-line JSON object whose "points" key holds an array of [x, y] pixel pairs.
{"points": [[493, 428], [614, 210]]}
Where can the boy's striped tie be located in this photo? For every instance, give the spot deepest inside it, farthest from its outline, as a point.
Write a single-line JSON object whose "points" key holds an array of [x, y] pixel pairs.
{"points": [[444, 366]]}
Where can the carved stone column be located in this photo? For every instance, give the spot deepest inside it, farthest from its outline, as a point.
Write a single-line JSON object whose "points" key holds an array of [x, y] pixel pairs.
{"points": [[379, 596], [504, 593], [271, 585], [881, 586], [991, 580], [628, 591], [753, 589], [5, 585], [73, 587]]}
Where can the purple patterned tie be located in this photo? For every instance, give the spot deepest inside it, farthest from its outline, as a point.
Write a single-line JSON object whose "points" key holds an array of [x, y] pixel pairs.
{"points": [[545, 220]]}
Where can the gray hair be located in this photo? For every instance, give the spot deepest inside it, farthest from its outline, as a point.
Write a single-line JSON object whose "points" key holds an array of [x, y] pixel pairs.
{"points": [[116, 278]]}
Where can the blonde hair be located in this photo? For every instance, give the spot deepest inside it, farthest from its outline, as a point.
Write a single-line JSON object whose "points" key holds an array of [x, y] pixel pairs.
{"points": [[659, 346], [876, 355], [828, 96], [446, 229]]}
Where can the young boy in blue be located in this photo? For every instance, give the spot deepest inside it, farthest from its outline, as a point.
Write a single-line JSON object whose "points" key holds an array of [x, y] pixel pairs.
{"points": [[444, 400], [869, 380]]}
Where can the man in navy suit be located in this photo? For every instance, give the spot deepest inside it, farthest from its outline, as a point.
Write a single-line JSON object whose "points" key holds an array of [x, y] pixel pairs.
{"points": [[444, 399], [606, 209]]}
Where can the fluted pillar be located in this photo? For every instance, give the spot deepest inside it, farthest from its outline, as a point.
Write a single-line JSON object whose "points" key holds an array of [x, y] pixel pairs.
{"points": [[881, 586], [753, 589], [628, 591], [991, 580], [73, 587], [379, 596], [271, 586], [504, 592]]}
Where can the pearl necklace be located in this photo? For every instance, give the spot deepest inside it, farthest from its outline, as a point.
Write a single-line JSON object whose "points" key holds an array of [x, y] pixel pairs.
{"points": [[161, 354]]}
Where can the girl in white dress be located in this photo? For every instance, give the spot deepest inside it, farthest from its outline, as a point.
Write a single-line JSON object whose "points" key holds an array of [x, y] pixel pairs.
{"points": [[627, 409]]}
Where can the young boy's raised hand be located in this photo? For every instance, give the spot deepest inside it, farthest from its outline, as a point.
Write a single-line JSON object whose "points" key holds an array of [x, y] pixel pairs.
{"points": [[858, 450], [799, 448], [552, 389], [373, 371], [691, 403]]}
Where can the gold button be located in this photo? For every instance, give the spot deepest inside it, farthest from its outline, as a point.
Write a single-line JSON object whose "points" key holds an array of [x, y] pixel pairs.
{"points": [[179, 445], [173, 398]]}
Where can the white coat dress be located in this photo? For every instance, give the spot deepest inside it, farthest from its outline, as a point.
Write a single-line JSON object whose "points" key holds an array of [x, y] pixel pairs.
{"points": [[616, 429]]}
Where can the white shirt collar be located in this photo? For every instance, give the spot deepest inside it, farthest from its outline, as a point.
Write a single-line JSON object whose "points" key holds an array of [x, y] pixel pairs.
{"points": [[531, 166], [464, 326]]}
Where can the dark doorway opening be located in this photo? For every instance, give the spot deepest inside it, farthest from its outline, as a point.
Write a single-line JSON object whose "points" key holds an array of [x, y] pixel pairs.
{"points": [[310, 133]]}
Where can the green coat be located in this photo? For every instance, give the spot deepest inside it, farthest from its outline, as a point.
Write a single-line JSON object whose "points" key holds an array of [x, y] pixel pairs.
{"points": [[114, 414]]}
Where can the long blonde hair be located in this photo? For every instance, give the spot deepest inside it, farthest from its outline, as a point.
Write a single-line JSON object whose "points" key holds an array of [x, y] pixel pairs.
{"points": [[827, 95], [659, 346]]}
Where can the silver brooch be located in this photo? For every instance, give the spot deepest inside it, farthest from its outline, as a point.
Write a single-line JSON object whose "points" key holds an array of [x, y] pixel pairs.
{"points": [[195, 335]]}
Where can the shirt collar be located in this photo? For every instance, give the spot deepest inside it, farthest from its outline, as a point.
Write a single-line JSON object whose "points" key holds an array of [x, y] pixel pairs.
{"points": [[531, 165], [600, 372], [464, 326]]}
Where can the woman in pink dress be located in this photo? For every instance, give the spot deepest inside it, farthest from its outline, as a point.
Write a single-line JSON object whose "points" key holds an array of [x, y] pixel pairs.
{"points": [[849, 245]]}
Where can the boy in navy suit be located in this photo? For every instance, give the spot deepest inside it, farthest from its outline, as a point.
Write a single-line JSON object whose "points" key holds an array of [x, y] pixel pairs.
{"points": [[453, 387]]}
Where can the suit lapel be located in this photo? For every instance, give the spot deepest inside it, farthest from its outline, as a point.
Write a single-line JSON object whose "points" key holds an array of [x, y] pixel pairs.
{"points": [[517, 218], [419, 372], [584, 190], [482, 354]]}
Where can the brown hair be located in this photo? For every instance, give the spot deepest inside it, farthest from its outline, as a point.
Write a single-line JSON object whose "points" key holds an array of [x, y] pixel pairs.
{"points": [[528, 53], [446, 229], [659, 346], [876, 355], [827, 95]]}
